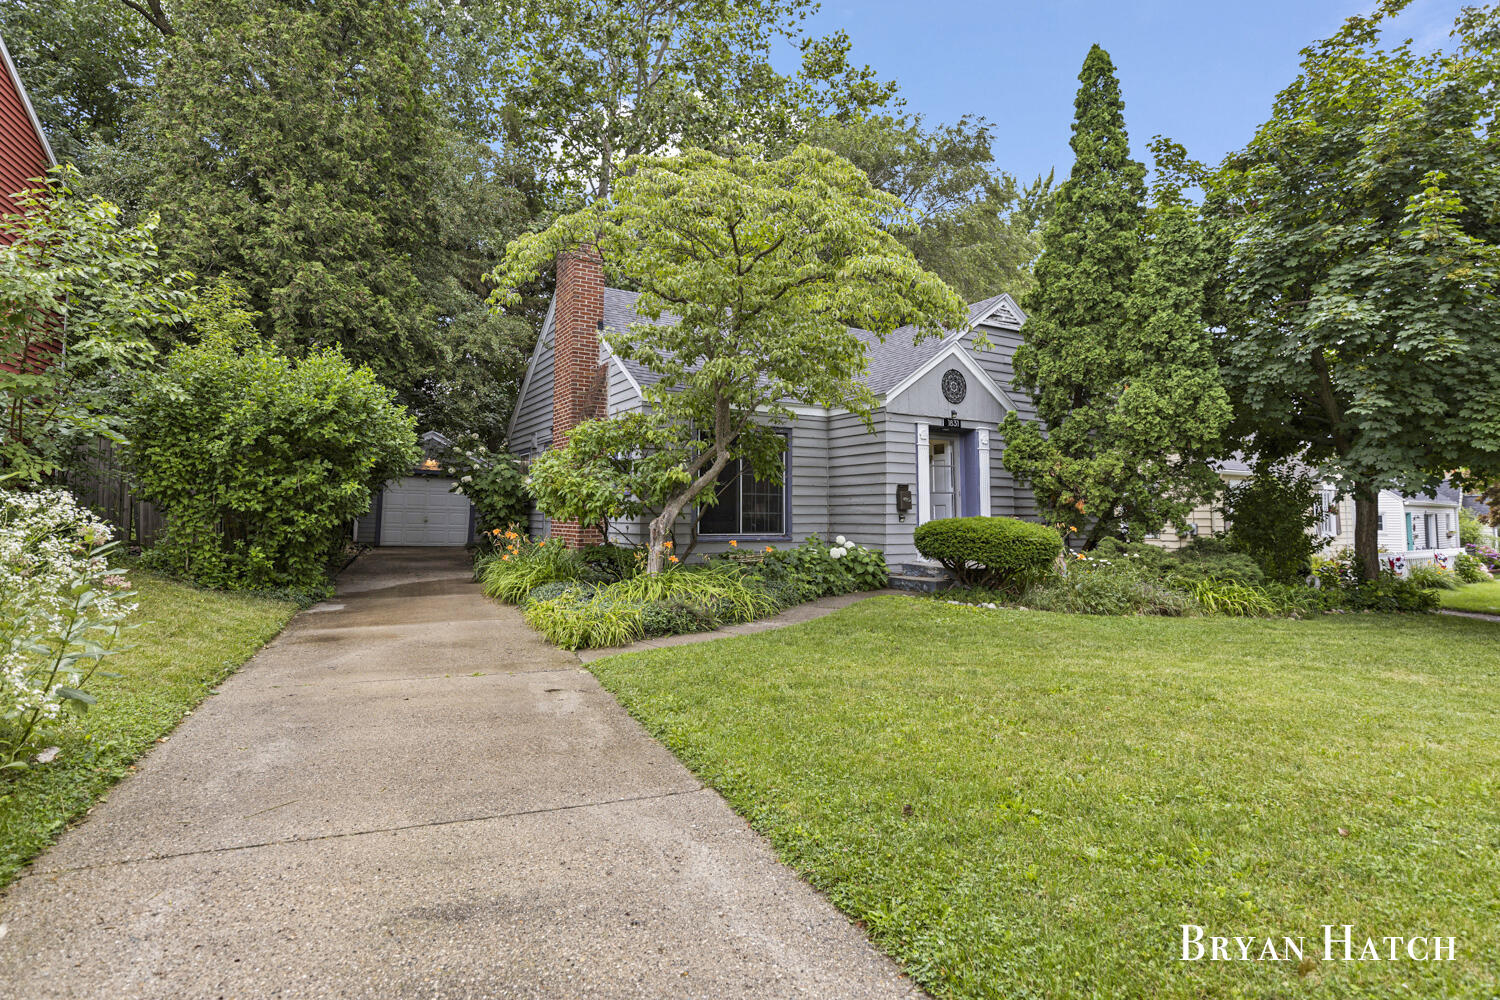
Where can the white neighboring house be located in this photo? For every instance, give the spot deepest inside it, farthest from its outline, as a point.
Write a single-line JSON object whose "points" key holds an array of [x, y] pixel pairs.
{"points": [[1421, 528], [1415, 529]]}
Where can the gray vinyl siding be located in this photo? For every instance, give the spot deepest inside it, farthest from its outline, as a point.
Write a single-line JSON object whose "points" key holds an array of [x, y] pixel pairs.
{"points": [[531, 428], [623, 397], [364, 525], [809, 476], [863, 469], [1008, 497], [996, 363]]}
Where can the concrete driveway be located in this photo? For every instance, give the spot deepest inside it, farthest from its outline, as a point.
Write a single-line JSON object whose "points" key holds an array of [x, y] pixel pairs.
{"points": [[407, 794]]}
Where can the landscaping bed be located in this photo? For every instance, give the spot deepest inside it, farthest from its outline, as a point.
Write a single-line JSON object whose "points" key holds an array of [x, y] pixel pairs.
{"points": [[187, 641], [601, 596], [1209, 577], [1024, 804]]}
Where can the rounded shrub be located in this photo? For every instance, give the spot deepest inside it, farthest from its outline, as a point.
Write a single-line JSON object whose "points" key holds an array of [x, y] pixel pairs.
{"points": [[990, 551]]}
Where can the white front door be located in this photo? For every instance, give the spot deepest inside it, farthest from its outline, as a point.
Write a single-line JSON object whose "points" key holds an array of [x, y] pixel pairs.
{"points": [[943, 475], [420, 510]]}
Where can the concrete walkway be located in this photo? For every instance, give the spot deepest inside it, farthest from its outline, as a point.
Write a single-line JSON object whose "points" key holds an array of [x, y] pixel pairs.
{"points": [[408, 794]]}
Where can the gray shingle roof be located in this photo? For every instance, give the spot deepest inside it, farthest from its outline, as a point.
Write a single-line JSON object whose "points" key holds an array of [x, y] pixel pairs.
{"points": [[1443, 494], [889, 361]]}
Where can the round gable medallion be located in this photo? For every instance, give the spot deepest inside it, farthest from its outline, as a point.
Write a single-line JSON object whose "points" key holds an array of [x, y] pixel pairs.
{"points": [[955, 386]]}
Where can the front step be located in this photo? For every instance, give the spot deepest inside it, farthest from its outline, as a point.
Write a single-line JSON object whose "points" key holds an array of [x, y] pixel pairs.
{"points": [[920, 579]]}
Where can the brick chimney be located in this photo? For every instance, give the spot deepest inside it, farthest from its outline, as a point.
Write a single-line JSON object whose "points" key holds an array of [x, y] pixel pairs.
{"points": [[578, 379]]}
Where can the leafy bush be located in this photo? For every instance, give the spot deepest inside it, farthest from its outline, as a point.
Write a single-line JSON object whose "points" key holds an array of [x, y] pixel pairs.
{"points": [[65, 260], [814, 569], [676, 617], [558, 588], [1389, 592], [256, 460], [1469, 529], [1432, 577], [523, 565], [1470, 568], [1101, 590], [1225, 567], [493, 482], [1488, 556], [1204, 559], [608, 563], [998, 552], [61, 612], [1273, 513], [575, 622], [1339, 571]]}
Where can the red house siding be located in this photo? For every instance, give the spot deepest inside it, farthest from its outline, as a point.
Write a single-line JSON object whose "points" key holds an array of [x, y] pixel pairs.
{"points": [[24, 155]]}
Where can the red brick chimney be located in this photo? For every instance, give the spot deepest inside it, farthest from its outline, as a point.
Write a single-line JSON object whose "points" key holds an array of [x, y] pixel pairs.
{"points": [[578, 379]]}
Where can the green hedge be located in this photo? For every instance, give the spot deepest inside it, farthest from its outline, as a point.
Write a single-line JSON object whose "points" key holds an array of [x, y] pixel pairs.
{"points": [[990, 551]]}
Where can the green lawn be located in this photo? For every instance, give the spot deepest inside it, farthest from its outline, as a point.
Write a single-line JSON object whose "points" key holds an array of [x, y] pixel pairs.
{"points": [[1483, 597], [189, 640], [1022, 804]]}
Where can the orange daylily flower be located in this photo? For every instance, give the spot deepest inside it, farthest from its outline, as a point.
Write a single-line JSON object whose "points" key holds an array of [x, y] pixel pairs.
{"points": [[733, 544], [671, 558]]}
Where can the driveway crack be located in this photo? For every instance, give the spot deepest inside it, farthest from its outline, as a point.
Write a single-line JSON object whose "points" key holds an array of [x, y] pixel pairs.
{"points": [[361, 833]]}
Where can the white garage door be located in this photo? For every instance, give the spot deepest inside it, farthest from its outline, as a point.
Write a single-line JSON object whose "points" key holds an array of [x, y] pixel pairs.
{"points": [[420, 510]]}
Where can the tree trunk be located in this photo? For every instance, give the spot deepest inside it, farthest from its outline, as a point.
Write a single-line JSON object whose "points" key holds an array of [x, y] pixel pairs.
{"points": [[1366, 529], [661, 530]]}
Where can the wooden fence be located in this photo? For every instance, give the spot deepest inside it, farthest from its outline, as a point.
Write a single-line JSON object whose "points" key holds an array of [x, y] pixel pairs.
{"points": [[103, 486]]}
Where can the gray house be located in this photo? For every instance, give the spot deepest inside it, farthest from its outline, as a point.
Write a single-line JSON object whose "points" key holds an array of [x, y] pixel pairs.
{"points": [[934, 451]]}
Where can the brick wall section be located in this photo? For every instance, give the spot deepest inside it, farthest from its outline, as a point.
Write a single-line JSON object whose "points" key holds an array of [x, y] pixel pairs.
{"points": [[579, 380]]}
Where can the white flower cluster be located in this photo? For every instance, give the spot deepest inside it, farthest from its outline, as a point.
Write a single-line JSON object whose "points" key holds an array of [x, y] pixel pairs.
{"points": [[840, 548], [60, 602]]}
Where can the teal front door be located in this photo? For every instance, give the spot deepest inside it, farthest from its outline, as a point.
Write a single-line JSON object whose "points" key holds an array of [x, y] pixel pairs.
{"points": [[1409, 538]]}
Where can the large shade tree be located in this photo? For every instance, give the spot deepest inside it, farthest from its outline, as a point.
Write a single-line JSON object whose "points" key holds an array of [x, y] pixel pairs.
{"points": [[1361, 228], [766, 265], [594, 82], [972, 225], [1116, 352]]}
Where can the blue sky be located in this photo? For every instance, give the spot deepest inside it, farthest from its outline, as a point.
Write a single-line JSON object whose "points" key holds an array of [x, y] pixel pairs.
{"points": [[1203, 73]]}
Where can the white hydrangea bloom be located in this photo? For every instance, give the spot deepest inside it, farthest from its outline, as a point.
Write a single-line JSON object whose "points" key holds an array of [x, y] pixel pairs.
{"points": [[57, 592], [841, 541], [836, 553]]}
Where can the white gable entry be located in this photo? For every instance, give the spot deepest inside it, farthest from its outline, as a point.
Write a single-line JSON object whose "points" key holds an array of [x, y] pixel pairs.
{"points": [[956, 404]]}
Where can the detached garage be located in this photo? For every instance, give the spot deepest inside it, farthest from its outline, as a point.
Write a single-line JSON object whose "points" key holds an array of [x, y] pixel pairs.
{"points": [[419, 509]]}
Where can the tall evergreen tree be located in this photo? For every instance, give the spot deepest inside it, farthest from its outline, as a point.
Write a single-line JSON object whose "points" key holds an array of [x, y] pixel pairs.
{"points": [[303, 152], [293, 148], [1116, 355]]}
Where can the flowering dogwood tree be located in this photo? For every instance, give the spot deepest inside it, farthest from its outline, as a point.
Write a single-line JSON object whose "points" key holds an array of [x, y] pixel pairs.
{"points": [[767, 265]]}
